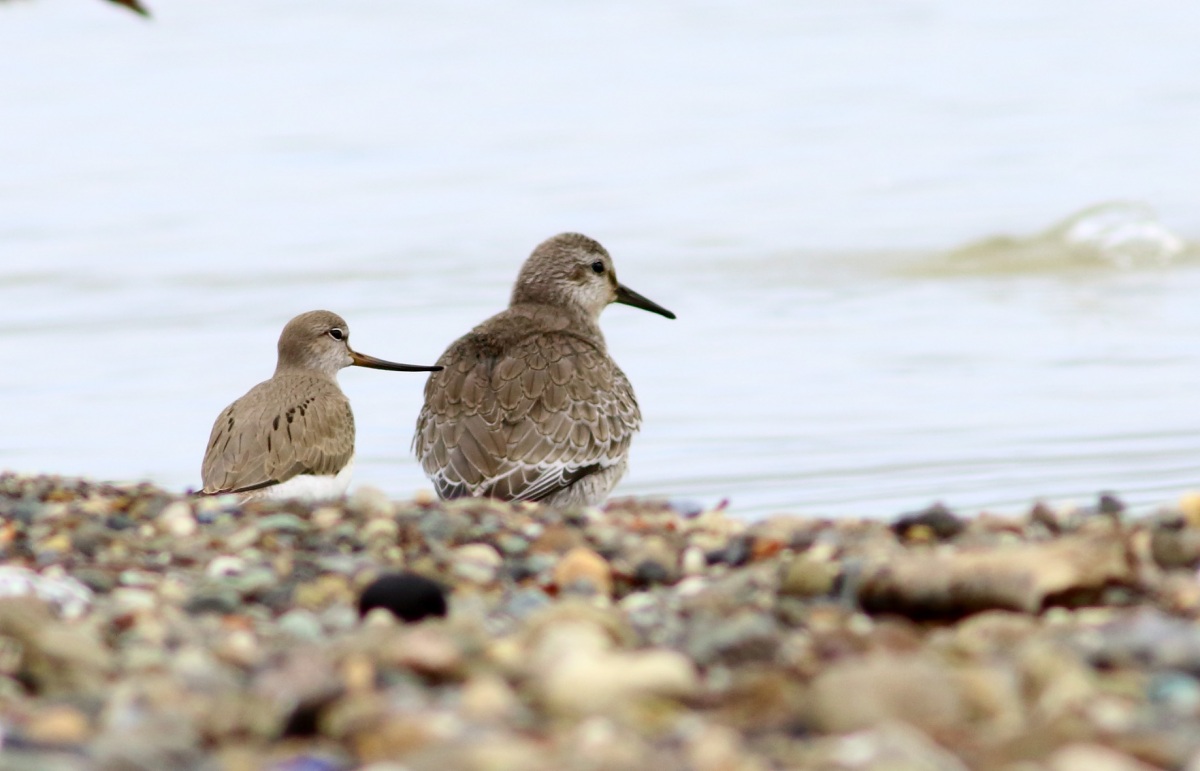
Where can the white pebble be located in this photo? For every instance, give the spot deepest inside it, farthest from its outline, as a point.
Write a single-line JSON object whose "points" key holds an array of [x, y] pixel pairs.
{"points": [[225, 565], [693, 561], [177, 519]]}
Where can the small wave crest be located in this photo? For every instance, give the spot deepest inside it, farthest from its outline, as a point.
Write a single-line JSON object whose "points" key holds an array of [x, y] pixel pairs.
{"points": [[1116, 234]]}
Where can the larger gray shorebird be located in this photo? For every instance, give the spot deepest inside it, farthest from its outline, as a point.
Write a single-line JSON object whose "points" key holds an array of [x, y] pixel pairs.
{"points": [[293, 436], [530, 406]]}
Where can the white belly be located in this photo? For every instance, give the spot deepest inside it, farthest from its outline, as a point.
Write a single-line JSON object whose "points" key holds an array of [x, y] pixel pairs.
{"points": [[312, 487]]}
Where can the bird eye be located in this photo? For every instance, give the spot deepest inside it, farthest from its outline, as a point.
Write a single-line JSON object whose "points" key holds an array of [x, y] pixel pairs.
{"points": [[598, 266], [337, 334]]}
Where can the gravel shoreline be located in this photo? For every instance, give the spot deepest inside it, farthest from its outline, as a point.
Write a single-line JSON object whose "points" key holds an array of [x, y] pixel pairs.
{"points": [[145, 630]]}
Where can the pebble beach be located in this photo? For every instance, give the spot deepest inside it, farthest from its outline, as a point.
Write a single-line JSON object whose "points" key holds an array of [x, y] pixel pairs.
{"points": [[140, 629]]}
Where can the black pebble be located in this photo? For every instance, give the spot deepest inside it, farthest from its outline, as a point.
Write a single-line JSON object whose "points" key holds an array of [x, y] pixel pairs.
{"points": [[119, 522], [650, 573], [943, 522], [1110, 505], [735, 554], [409, 596]]}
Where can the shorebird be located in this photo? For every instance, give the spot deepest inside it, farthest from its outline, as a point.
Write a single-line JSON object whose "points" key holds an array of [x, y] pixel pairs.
{"points": [[293, 436], [530, 405]]}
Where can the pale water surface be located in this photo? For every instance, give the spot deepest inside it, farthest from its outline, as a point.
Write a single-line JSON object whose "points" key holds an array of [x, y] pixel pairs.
{"points": [[813, 187]]}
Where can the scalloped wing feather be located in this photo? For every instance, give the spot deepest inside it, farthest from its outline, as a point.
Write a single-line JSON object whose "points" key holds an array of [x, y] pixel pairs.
{"points": [[525, 424]]}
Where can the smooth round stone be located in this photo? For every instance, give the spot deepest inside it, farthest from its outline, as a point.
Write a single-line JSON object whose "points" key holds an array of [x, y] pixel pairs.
{"points": [[512, 545], [339, 617], [639, 602], [409, 596], [582, 568], [804, 577], [254, 581], [138, 578], [380, 529], [525, 603], [177, 520], [24, 512], [131, 600], [326, 517], [537, 564], [301, 624], [342, 564], [59, 724], [650, 572], [98, 581], [693, 561], [477, 563], [371, 502], [1178, 691], [222, 601], [225, 565], [287, 523]]}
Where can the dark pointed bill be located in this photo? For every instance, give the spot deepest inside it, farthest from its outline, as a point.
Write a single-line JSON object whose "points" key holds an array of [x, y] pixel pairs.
{"points": [[627, 296], [363, 360], [134, 6]]}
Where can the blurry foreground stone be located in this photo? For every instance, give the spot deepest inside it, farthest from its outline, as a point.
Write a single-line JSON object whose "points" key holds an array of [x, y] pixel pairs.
{"points": [[409, 596], [139, 629], [1025, 577]]}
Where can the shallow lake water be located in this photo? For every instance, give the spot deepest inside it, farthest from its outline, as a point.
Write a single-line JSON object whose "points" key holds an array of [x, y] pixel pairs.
{"points": [[919, 250]]}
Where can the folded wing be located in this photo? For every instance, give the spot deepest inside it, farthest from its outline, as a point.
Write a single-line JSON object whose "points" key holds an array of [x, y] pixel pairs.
{"points": [[527, 422], [280, 429]]}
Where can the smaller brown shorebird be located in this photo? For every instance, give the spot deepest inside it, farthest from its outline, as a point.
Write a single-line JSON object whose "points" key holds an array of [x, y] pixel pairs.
{"points": [[293, 436], [530, 406]]}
